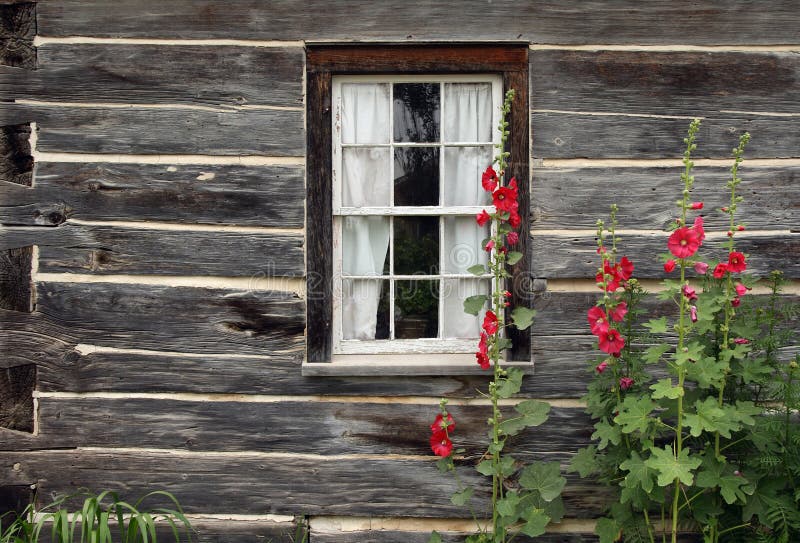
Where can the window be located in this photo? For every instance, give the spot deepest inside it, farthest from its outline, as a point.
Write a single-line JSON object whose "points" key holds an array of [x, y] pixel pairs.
{"points": [[397, 139]]}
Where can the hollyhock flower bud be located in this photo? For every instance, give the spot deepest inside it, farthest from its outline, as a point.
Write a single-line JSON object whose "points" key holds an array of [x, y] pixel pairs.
{"points": [[741, 290], [507, 294], [693, 313], [514, 220], [601, 367], [512, 238], [669, 266], [689, 292], [483, 217], [696, 205], [625, 383], [730, 234], [720, 270], [724, 209], [489, 246], [698, 228], [740, 228], [736, 302], [741, 341], [701, 267]]}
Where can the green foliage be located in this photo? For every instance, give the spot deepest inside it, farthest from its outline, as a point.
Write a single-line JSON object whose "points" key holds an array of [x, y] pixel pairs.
{"points": [[695, 417], [103, 518]]}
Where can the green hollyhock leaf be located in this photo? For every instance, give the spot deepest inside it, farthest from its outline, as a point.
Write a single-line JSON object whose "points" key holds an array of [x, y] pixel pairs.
{"points": [[444, 464], [535, 523], [768, 493], [640, 474], [545, 478], [657, 326], [733, 488], [664, 389], [746, 411], [584, 462], [607, 530], [607, 433], [477, 269], [435, 537], [474, 304], [485, 468], [529, 413], [634, 414], [523, 317], [652, 355], [708, 371], [706, 418], [669, 468], [755, 371], [508, 465], [513, 257], [691, 353], [462, 497], [511, 383], [507, 507]]}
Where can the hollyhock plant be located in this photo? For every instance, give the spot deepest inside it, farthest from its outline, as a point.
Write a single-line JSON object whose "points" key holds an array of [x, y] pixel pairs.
{"points": [[736, 262], [683, 242], [598, 322], [483, 218], [720, 270], [701, 267], [625, 383], [619, 312], [669, 266], [611, 341], [489, 179]]}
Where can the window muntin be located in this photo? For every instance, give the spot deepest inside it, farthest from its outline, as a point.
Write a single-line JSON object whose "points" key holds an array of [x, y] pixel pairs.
{"points": [[407, 155]]}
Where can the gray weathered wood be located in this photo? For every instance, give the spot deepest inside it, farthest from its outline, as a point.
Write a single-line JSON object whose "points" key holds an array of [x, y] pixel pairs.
{"points": [[16, 162], [155, 74], [583, 135], [665, 83], [162, 131], [239, 531], [186, 193], [548, 21], [409, 536], [16, 397], [252, 483], [183, 319], [79, 248], [16, 286], [17, 30], [565, 256], [324, 428], [646, 197]]}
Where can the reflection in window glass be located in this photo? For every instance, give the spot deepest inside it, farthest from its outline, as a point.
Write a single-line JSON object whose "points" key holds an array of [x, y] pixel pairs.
{"points": [[416, 309], [416, 112], [416, 245], [416, 176]]}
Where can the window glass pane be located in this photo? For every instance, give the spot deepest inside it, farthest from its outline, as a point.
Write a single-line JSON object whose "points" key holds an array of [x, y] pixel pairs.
{"points": [[468, 112], [463, 167], [365, 177], [365, 113], [416, 112], [365, 309], [463, 242], [416, 245], [458, 324], [416, 312], [365, 245], [416, 176]]}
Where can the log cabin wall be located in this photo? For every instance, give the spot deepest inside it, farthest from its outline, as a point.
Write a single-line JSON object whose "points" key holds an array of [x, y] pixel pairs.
{"points": [[152, 197]]}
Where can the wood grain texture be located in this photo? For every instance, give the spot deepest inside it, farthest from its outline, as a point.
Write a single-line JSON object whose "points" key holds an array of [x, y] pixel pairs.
{"points": [[255, 484], [16, 398], [17, 30], [78, 248], [240, 531], [548, 21], [162, 131], [16, 162], [569, 197], [409, 536], [269, 196], [323, 428], [575, 257], [16, 285], [665, 83], [581, 135], [157, 74], [185, 319]]}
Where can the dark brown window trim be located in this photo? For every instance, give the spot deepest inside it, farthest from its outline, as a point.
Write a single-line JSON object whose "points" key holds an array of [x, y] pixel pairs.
{"points": [[324, 61]]}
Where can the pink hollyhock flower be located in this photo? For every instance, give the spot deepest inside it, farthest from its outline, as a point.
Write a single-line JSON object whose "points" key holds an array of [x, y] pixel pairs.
{"points": [[683, 242], [439, 423], [693, 313], [441, 444], [483, 217], [736, 302], [601, 367], [741, 341], [489, 179], [701, 267], [489, 245], [625, 383], [512, 238], [741, 290], [624, 268], [611, 342], [720, 270], [504, 199], [689, 292], [598, 322], [669, 266], [698, 229], [696, 205], [736, 262], [490, 323], [618, 313]]}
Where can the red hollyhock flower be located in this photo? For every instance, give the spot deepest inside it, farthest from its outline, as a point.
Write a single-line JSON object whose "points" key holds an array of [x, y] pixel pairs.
{"points": [[698, 228], [439, 424], [696, 205], [736, 262], [483, 217], [624, 268], [741, 290], [441, 444], [611, 342], [504, 199], [689, 292], [701, 267], [618, 313], [514, 219], [490, 323], [512, 238], [489, 246], [513, 186], [625, 383], [683, 242], [669, 266], [598, 322], [720, 270], [489, 179]]}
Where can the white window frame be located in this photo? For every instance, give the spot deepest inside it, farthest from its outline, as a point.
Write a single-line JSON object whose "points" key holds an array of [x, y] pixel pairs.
{"points": [[453, 351]]}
